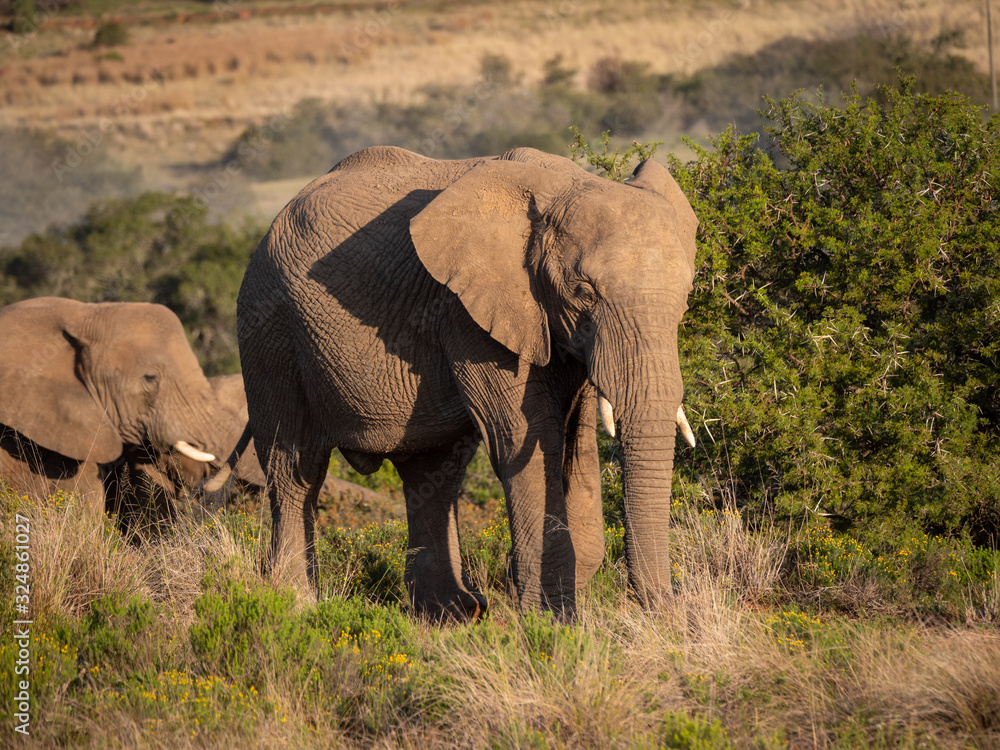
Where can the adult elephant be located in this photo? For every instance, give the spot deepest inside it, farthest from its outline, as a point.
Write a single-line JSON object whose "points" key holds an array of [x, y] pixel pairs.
{"points": [[156, 484], [402, 307], [79, 383]]}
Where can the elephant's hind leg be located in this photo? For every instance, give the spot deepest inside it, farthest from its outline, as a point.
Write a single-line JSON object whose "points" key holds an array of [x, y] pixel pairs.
{"points": [[294, 481], [434, 577]]}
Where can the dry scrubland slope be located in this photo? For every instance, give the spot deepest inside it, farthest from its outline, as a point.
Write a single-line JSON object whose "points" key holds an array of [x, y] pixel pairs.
{"points": [[177, 94]]}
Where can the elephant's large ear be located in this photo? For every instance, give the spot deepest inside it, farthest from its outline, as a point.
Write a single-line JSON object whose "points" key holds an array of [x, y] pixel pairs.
{"points": [[474, 238], [41, 395], [653, 176]]}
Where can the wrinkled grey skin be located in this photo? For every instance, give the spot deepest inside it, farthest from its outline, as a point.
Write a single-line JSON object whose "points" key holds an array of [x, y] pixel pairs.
{"points": [[406, 308], [153, 486], [81, 383]]}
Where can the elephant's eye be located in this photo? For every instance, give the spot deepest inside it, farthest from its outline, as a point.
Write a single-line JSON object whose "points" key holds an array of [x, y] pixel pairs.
{"points": [[151, 378], [586, 293]]}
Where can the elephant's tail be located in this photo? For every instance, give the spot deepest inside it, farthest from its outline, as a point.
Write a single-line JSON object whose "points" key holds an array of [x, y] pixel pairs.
{"points": [[215, 483]]}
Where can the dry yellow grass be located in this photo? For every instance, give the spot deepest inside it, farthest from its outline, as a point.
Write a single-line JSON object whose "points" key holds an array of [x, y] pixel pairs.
{"points": [[77, 557]]}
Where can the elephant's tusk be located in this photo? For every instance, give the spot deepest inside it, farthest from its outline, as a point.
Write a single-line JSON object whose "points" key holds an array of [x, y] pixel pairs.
{"points": [[686, 430], [193, 453], [607, 413]]}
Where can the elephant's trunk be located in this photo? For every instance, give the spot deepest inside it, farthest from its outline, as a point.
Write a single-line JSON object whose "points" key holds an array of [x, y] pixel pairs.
{"points": [[647, 471], [188, 421], [641, 380]]}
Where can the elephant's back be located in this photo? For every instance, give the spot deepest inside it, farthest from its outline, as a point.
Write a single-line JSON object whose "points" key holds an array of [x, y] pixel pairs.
{"points": [[336, 285]]}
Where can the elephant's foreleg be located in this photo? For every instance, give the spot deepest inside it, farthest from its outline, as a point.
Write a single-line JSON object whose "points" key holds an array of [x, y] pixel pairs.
{"points": [[294, 481], [582, 480], [436, 583], [542, 565], [523, 425]]}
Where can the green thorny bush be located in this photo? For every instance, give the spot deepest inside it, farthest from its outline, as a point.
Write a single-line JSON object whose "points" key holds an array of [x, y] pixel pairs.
{"points": [[840, 352]]}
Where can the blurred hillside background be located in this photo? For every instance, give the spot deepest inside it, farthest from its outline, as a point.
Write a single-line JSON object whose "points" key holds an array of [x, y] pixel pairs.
{"points": [[240, 103]]}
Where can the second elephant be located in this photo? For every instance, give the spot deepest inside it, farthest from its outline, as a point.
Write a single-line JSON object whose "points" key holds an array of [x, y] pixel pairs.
{"points": [[151, 484], [81, 384], [406, 308]]}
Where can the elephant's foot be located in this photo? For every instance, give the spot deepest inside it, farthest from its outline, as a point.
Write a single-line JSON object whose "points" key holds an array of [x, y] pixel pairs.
{"points": [[561, 602], [461, 605]]}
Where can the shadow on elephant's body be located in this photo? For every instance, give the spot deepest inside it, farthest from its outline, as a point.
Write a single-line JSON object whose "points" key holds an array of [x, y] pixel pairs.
{"points": [[377, 290], [47, 464]]}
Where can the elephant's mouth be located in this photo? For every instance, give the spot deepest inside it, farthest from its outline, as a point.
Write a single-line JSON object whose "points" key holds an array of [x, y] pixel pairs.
{"points": [[607, 413]]}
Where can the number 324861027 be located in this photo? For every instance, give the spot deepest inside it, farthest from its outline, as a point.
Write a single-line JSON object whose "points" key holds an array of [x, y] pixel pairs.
{"points": [[22, 567]]}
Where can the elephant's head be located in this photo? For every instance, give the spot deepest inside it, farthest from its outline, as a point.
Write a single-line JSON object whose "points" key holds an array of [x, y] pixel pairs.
{"points": [[83, 380], [555, 262]]}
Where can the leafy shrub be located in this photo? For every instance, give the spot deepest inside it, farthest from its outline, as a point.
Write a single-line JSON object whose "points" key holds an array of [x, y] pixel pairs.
{"points": [[368, 563], [111, 34], [372, 664], [113, 628], [555, 73], [252, 635], [839, 345], [187, 705], [610, 75], [23, 16], [485, 555], [615, 165], [497, 69], [684, 732], [53, 667]]}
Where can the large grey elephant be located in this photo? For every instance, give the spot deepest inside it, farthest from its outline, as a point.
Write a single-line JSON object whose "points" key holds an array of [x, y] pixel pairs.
{"points": [[406, 308], [81, 383]]}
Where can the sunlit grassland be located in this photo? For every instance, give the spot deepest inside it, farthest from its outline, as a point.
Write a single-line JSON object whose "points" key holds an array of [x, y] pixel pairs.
{"points": [[772, 637]]}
